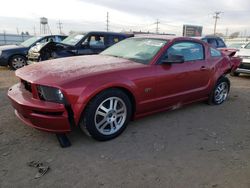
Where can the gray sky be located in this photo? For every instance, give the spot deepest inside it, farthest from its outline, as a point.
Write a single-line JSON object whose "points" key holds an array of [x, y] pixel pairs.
{"points": [[84, 15]]}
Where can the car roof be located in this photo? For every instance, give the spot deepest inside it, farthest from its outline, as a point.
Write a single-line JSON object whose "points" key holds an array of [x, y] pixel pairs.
{"points": [[167, 37], [109, 33]]}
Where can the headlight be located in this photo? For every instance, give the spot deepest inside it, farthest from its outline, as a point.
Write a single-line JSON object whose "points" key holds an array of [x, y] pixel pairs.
{"points": [[51, 94]]}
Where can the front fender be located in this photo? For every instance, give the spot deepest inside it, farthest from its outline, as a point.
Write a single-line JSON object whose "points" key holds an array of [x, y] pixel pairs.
{"points": [[93, 88]]}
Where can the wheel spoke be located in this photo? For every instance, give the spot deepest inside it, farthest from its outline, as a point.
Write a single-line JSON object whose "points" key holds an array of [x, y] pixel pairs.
{"points": [[104, 109], [111, 102], [102, 113], [99, 125], [120, 110], [115, 105], [104, 126]]}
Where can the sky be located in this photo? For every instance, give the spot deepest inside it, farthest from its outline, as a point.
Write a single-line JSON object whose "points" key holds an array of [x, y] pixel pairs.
{"points": [[137, 15]]}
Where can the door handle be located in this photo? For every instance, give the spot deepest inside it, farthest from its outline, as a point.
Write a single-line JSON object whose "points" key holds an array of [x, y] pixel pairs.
{"points": [[203, 68]]}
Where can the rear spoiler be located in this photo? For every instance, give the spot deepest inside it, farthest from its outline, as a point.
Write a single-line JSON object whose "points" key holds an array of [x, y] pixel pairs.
{"points": [[229, 51]]}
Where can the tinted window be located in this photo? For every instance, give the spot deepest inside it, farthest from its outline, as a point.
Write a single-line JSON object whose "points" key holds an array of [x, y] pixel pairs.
{"points": [[215, 53], [96, 41], [212, 42], [221, 44], [114, 39], [189, 50]]}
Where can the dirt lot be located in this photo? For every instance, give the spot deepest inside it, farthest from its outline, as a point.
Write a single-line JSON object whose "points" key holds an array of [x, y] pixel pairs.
{"points": [[198, 146]]}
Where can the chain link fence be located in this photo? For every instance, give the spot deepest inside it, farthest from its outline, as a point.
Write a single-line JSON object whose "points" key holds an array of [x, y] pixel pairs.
{"points": [[6, 39]]}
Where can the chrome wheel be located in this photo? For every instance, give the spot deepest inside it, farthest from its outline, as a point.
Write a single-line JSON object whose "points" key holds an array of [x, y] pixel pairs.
{"points": [[110, 115], [221, 92], [18, 62]]}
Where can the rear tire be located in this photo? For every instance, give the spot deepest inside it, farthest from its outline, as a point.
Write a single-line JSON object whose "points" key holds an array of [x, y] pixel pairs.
{"points": [[107, 115], [220, 91], [17, 62]]}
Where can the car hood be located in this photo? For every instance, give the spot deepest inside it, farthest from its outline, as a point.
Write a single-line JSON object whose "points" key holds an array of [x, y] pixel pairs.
{"points": [[64, 70], [10, 47]]}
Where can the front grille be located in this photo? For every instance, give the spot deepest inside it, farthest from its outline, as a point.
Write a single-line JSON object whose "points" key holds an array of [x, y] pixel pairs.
{"points": [[27, 85]]}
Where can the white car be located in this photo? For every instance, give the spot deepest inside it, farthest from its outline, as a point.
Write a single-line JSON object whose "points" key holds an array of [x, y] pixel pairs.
{"points": [[244, 67]]}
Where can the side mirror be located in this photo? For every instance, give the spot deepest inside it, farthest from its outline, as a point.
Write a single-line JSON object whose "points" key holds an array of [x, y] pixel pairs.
{"points": [[173, 59]]}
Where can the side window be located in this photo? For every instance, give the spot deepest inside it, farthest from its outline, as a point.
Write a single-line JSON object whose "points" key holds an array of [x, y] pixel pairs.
{"points": [[215, 53], [113, 39], [96, 41], [191, 51], [58, 39], [212, 42], [221, 44]]}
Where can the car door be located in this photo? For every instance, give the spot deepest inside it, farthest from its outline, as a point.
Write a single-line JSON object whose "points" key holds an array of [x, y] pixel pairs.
{"points": [[179, 83], [93, 44]]}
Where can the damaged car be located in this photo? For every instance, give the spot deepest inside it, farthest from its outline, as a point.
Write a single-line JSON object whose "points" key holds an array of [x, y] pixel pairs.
{"points": [[14, 56], [134, 78], [76, 44]]}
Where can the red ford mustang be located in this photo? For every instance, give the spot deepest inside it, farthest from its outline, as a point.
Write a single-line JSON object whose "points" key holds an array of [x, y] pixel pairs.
{"points": [[136, 77]]}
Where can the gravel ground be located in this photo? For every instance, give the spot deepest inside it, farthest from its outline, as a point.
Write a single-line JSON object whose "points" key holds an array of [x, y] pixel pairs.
{"points": [[197, 146]]}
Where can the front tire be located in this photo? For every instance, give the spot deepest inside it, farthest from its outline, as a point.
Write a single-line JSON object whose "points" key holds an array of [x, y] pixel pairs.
{"points": [[107, 115], [220, 91], [17, 62]]}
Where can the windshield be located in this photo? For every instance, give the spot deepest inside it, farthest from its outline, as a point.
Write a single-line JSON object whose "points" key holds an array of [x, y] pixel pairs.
{"points": [[73, 39], [141, 50], [30, 41], [247, 46]]}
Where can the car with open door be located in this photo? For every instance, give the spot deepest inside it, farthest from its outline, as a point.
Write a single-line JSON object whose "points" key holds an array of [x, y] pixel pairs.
{"points": [[133, 78], [77, 44]]}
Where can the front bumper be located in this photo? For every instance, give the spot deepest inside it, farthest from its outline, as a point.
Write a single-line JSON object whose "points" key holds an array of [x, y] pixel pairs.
{"points": [[45, 116], [244, 67], [33, 57]]}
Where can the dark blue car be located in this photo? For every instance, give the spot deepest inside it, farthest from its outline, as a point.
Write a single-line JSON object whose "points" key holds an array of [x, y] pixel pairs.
{"points": [[14, 56]]}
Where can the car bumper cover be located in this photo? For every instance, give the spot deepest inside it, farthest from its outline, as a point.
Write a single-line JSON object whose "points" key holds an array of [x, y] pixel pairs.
{"points": [[45, 116]]}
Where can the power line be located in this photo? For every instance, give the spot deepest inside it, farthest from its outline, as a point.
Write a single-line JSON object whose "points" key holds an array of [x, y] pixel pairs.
{"points": [[216, 17], [60, 26]]}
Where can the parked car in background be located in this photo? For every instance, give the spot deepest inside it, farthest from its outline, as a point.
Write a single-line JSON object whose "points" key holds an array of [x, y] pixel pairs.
{"points": [[131, 79], [14, 56], [77, 44], [214, 41], [236, 45], [244, 54]]}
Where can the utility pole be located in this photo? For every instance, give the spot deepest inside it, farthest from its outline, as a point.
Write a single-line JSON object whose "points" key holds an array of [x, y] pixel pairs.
{"points": [[60, 26], [157, 26], [107, 22], [17, 30], [216, 17], [34, 28]]}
